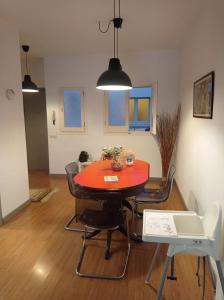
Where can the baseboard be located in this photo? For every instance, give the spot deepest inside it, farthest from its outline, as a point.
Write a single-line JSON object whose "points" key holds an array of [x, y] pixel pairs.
{"points": [[155, 179], [15, 211], [181, 196], [57, 175]]}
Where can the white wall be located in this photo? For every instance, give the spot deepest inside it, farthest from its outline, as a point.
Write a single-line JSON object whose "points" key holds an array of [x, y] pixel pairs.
{"points": [[13, 161], [83, 71], [200, 155]]}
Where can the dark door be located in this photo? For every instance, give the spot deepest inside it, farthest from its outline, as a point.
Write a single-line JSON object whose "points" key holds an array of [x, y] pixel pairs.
{"points": [[36, 130]]}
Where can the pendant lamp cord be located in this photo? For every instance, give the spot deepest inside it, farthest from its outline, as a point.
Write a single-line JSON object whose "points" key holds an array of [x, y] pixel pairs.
{"points": [[119, 12], [26, 65], [115, 28], [108, 26]]}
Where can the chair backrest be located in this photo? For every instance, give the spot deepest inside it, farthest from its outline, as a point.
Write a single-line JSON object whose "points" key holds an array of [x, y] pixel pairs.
{"points": [[169, 182], [212, 223], [71, 170]]}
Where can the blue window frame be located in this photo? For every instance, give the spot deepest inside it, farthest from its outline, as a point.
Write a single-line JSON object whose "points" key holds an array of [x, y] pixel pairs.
{"points": [[139, 108], [129, 111]]}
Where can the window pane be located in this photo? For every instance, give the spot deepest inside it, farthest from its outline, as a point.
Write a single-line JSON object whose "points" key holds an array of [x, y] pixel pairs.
{"points": [[72, 108], [141, 92], [116, 107], [143, 109], [139, 109], [131, 109]]}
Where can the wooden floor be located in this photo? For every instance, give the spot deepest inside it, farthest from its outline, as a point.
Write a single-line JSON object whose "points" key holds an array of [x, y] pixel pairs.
{"points": [[38, 257]]}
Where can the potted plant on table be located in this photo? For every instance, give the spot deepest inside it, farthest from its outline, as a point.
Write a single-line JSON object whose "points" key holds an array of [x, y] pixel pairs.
{"points": [[114, 154]]}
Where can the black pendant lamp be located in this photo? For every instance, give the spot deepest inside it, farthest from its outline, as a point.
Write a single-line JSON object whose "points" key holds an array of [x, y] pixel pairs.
{"points": [[28, 86], [114, 78]]}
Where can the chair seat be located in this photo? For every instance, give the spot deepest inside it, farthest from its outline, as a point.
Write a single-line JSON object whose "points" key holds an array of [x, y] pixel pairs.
{"points": [[150, 195], [101, 219]]}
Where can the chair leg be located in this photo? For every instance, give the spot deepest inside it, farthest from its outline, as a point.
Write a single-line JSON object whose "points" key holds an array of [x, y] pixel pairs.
{"points": [[219, 268], [152, 263], [160, 290], [198, 270], [135, 218], [211, 272], [204, 277], [128, 250], [81, 254], [138, 213], [172, 277], [102, 276], [107, 252], [67, 225]]}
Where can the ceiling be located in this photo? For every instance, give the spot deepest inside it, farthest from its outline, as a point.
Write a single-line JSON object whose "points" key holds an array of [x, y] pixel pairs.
{"points": [[69, 27]]}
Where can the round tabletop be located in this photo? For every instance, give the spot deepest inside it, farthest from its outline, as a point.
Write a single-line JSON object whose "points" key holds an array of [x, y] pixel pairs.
{"points": [[130, 177]]}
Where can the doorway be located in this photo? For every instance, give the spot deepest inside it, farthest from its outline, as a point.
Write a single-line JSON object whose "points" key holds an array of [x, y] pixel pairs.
{"points": [[35, 115]]}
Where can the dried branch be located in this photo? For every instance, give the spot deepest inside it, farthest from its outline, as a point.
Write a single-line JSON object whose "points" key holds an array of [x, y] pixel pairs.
{"points": [[166, 136]]}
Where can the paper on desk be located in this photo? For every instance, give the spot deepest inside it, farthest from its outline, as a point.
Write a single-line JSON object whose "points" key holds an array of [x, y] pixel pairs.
{"points": [[110, 178], [161, 224]]}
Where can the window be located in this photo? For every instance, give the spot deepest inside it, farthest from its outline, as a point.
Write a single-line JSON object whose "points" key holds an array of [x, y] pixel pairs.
{"points": [[133, 110], [72, 110], [139, 108], [116, 111]]}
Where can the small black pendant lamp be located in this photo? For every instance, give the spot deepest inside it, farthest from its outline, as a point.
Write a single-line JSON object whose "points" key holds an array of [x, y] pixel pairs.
{"points": [[28, 86], [114, 78]]}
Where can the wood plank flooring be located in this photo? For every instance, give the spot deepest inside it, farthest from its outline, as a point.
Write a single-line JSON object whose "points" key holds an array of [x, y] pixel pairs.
{"points": [[38, 257]]}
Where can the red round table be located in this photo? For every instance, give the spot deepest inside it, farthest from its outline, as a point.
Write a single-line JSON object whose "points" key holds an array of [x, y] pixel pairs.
{"points": [[131, 179]]}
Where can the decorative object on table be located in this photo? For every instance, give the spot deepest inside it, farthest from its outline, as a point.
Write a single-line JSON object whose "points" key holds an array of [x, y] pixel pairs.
{"points": [[83, 156], [113, 153], [203, 96], [129, 157], [114, 78], [28, 86], [117, 164], [84, 160], [166, 135]]}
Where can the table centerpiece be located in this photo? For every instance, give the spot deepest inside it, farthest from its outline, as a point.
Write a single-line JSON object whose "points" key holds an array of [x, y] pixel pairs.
{"points": [[115, 155]]}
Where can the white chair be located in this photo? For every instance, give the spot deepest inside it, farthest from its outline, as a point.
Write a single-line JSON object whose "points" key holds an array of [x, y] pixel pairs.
{"points": [[195, 235]]}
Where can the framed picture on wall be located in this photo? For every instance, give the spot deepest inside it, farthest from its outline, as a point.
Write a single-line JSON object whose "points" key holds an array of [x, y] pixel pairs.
{"points": [[203, 96]]}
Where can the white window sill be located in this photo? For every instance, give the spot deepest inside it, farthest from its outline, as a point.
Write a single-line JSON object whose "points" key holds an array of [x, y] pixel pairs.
{"points": [[131, 133]]}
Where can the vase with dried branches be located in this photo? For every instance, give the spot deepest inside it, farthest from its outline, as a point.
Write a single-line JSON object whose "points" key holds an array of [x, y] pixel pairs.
{"points": [[166, 135]]}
